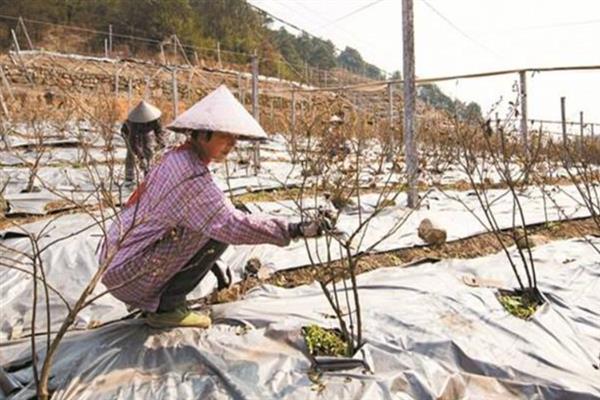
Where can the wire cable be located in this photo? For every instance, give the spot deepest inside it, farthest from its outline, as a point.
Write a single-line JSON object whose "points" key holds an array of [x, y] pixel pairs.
{"points": [[456, 28]]}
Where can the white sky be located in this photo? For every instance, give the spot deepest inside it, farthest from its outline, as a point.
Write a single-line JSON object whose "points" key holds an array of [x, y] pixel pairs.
{"points": [[482, 35]]}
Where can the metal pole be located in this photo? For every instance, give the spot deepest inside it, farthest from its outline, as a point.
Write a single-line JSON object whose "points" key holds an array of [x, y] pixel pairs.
{"points": [[523, 95], [175, 93], [255, 111], [110, 40], [410, 147], [105, 48]]}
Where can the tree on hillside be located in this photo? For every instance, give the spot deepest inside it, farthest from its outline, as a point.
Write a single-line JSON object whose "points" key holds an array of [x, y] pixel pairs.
{"points": [[432, 95], [158, 19], [231, 22], [350, 59]]}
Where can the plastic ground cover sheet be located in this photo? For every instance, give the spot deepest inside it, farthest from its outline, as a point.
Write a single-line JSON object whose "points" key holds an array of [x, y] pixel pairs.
{"points": [[71, 263], [428, 336]]}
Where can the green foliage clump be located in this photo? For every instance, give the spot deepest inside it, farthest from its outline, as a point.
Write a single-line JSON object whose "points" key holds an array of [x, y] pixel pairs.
{"points": [[324, 342], [520, 305]]}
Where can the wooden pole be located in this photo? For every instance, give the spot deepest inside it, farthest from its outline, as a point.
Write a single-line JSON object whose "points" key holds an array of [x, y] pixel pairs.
{"points": [[306, 71], [410, 147], [3, 105], [174, 50], [175, 93], [563, 120], [523, 95], [293, 126], [22, 23], [110, 40], [255, 110], [6, 83], [219, 55], [581, 132], [390, 91], [105, 48], [163, 58], [16, 42], [129, 94]]}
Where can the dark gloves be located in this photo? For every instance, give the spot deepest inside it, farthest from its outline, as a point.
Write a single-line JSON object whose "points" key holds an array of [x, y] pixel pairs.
{"points": [[313, 227]]}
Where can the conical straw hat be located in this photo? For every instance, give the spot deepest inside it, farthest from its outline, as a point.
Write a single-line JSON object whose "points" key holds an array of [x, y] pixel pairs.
{"points": [[144, 112], [219, 111]]}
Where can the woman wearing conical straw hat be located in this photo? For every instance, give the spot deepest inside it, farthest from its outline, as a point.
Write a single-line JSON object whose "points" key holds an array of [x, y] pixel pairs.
{"points": [[142, 132], [178, 222]]}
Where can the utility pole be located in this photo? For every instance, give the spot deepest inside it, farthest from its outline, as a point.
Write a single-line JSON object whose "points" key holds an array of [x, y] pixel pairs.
{"points": [[255, 111], [523, 98], [410, 148]]}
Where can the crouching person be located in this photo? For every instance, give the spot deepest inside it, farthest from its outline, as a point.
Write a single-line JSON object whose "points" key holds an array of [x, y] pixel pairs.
{"points": [[178, 222]]}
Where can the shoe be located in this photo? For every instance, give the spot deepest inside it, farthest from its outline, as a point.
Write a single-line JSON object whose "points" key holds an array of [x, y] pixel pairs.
{"points": [[180, 317]]}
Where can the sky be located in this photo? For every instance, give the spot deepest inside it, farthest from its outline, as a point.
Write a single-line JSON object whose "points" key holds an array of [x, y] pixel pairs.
{"points": [[456, 37]]}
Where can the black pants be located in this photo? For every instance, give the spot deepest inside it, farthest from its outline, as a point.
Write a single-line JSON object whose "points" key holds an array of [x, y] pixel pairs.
{"points": [[183, 282]]}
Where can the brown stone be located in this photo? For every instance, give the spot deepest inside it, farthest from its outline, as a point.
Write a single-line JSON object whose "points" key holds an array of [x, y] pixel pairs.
{"points": [[430, 233]]}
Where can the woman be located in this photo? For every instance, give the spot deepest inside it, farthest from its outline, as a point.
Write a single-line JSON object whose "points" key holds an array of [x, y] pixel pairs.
{"points": [[178, 222]]}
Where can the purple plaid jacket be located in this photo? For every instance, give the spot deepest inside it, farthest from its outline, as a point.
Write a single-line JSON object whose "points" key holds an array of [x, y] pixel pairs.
{"points": [[177, 210]]}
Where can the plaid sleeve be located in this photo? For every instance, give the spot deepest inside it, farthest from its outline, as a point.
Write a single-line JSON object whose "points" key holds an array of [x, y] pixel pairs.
{"points": [[209, 211]]}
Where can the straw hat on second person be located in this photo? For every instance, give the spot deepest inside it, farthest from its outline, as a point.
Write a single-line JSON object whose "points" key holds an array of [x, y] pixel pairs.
{"points": [[144, 112]]}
